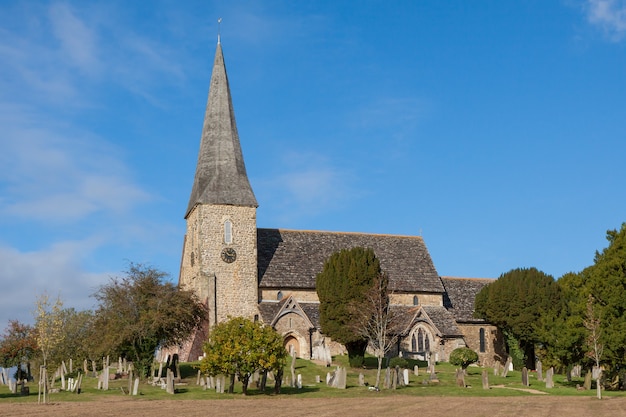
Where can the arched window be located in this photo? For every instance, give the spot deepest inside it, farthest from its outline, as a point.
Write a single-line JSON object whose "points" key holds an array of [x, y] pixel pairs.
{"points": [[481, 337], [420, 340], [426, 342], [228, 232], [413, 344], [279, 295], [416, 301]]}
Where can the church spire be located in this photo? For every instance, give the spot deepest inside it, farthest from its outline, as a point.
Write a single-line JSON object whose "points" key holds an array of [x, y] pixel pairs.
{"points": [[221, 176]]}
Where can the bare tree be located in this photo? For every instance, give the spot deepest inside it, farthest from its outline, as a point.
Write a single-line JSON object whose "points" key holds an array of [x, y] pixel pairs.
{"points": [[376, 321], [593, 325]]}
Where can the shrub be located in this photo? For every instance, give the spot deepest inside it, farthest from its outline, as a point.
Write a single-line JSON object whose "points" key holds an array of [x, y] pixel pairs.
{"points": [[398, 361], [463, 357]]}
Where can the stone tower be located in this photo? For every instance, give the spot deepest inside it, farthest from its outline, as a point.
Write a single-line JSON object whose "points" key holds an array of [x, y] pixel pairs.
{"points": [[219, 259]]}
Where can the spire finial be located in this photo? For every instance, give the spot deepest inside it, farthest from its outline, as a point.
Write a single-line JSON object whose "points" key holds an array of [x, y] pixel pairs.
{"points": [[219, 21]]}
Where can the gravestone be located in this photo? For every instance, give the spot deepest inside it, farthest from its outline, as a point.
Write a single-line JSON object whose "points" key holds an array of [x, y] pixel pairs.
{"points": [[496, 369], [539, 371], [485, 378], [507, 366], [299, 381], [549, 378], [587, 383], [460, 378], [130, 383], [136, 387], [405, 374], [198, 378], [416, 370], [218, 385], [317, 379], [525, 377], [394, 378], [361, 380], [387, 383]]}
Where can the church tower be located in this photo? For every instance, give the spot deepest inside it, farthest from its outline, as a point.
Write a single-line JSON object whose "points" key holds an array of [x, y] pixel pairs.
{"points": [[219, 259]]}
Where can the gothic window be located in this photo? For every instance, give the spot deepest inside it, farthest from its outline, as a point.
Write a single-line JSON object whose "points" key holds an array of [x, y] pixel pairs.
{"points": [[481, 336], [228, 232], [413, 344], [416, 301], [420, 340], [426, 342]]}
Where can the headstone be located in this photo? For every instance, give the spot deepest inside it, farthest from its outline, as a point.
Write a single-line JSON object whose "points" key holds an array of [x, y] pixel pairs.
{"points": [[587, 383], [136, 387], [317, 379], [210, 382], [341, 378], [361, 380], [549, 376], [130, 383], [525, 376], [460, 378], [199, 377], [387, 383], [485, 379], [394, 378], [218, 385], [576, 371], [496, 369], [329, 378], [416, 370], [507, 366], [405, 373], [169, 384], [299, 381], [539, 371]]}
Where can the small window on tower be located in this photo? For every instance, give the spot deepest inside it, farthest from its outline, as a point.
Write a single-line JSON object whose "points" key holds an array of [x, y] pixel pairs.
{"points": [[279, 295], [416, 301], [228, 232]]}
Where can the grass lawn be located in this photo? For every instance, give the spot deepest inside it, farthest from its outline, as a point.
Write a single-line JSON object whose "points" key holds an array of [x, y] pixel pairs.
{"points": [[418, 385]]}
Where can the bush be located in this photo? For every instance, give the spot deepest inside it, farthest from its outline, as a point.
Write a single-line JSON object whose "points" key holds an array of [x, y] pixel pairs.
{"points": [[463, 357], [398, 361]]}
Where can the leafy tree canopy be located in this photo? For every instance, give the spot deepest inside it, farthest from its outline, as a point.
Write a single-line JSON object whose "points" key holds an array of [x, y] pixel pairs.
{"points": [[140, 312], [346, 277], [239, 347], [18, 345], [463, 357], [516, 301]]}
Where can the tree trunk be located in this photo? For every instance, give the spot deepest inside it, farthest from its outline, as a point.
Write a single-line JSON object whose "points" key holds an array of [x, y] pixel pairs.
{"points": [[356, 352], [244, 383], [380, 365], [231, 386], [278, 381]]}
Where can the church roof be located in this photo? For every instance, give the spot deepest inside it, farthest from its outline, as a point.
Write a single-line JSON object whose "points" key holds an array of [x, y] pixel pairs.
{"points": [[221, 176], [460, 295], [292, 258]]}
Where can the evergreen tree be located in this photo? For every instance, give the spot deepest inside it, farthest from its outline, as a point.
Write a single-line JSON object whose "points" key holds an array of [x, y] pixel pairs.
{"points": [[516, 302], [346, 277]]}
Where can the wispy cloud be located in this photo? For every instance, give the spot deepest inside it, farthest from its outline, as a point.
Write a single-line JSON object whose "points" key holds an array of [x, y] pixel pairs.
{"points": [[610, 16], [309, 184], [54, 270]]}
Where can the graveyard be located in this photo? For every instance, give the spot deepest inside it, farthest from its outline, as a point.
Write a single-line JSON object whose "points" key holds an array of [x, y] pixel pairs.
{"points": [[415, 385]]}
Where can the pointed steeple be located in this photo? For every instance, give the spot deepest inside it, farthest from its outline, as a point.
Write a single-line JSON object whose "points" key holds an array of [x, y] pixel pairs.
{"points": [[221, 173]]}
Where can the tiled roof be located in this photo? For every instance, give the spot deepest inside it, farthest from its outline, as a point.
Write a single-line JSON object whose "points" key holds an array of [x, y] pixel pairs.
{"points": [[443, 320], [460, 295], [293, 258], [220, 172]]}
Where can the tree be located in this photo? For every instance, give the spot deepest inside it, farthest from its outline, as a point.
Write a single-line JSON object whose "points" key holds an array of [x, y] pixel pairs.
{"points": [[18, 346], [140, 312], [239, 347], [605, 280], [516, 302], [49, 326], [463, 357], [595, 348], [342, 284], [374, 320]]}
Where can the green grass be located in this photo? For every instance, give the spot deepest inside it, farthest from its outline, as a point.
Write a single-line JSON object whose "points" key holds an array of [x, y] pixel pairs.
{"points": [[418, 386]]}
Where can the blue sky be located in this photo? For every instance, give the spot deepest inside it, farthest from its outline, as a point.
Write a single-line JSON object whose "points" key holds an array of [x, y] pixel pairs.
{"points": [[496, 130]]}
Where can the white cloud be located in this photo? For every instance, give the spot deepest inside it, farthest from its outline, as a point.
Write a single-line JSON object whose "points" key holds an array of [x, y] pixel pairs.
{"points": [[78, 41], [610, 16], [54, 270]]}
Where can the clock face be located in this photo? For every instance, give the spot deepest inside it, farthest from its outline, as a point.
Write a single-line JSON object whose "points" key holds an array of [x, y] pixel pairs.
{"points": [[229, 255]]}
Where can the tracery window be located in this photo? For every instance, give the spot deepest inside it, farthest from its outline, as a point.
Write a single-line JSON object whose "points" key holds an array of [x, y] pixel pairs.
{"points": [[481, 337]]}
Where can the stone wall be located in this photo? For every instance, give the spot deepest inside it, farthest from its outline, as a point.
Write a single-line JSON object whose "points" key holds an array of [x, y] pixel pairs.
{"points": [[229, 289], [303, 296], [494, 343], [424, 299]]}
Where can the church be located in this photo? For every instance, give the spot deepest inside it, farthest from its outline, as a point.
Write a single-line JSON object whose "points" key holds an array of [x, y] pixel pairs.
{"points": [[268, 275]]}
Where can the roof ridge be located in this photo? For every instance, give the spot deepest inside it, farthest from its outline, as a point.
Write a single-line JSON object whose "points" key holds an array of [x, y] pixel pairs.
{"points": [[342, 233]]}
